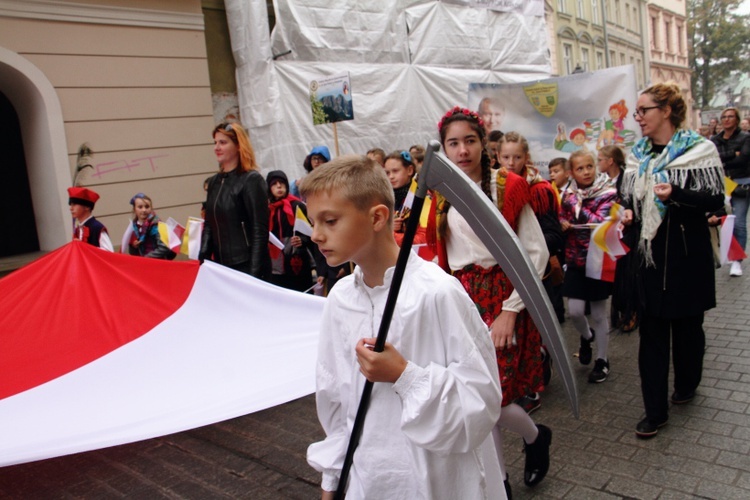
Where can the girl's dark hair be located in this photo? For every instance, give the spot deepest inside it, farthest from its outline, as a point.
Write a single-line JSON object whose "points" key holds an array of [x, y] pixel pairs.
{"points": [[472, 119], [462, 114]]}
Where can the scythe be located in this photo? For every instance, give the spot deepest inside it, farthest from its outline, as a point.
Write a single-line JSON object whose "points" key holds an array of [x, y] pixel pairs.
{"points": [[440, 174]]}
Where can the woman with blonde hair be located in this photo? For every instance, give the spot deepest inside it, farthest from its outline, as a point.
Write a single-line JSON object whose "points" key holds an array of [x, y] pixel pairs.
{"points": [[235, 232], [672, 179]]}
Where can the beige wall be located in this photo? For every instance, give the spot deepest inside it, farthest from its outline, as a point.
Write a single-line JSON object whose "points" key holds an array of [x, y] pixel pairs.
{"points": [[132, 81]]}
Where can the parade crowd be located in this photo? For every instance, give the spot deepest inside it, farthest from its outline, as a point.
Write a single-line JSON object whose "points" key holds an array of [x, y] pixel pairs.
{"points": [[464, 360]]}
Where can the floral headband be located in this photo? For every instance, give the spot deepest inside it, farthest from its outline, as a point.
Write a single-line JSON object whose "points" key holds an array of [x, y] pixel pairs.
{"points": [[459, 110]]}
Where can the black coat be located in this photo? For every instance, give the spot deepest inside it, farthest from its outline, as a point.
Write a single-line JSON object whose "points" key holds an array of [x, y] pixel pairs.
{"points": [[236, 226], [682, 282]]}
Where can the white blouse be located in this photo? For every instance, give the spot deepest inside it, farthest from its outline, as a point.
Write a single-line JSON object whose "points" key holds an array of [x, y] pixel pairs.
{"points": [[464, 247]]}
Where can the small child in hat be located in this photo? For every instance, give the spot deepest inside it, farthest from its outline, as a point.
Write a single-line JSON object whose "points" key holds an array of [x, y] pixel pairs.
{"points": [[291, 267], [85, 226]]}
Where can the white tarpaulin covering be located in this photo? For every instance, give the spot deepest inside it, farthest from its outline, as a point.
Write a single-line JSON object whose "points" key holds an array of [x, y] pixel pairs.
{"points": [[409, 62]]}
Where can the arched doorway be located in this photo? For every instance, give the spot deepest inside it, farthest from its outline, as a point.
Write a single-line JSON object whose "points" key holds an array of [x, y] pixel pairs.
{"points": [[16, 209], [39, 119]]}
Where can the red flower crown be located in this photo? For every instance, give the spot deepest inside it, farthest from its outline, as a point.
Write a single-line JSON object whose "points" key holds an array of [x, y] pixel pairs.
{"points": [[456, 110]]}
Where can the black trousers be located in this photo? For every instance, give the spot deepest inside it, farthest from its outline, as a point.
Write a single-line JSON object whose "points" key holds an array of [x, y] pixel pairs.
{"points": [[688, 344]]}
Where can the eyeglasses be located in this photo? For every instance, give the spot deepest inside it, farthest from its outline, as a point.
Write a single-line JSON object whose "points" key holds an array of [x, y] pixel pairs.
{"points": [[728, 117], [642, 111]]}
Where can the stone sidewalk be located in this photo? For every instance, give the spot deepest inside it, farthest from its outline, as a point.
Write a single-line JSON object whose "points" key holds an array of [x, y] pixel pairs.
{"points": [[702, 453]]}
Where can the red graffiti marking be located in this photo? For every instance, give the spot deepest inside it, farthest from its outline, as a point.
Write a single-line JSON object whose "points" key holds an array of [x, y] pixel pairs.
{"points": [[101, 169]]}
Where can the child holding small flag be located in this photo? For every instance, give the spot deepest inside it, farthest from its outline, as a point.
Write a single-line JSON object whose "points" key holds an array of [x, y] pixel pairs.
{"points": [[400, 169], [142, 236], [291, 265], [587, 200]]}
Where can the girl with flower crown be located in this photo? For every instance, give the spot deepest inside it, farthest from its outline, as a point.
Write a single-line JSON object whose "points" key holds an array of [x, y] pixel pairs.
{"points": [[144, 239], [673, 177], [460, 251]]}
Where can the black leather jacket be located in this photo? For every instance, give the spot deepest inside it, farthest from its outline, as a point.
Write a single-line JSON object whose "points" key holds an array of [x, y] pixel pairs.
{"points": [[736, 166], [236, 226]]}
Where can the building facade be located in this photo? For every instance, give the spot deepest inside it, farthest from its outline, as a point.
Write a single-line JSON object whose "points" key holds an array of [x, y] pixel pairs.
{"points": [[597, 34], [667, 31], [128, 78]]}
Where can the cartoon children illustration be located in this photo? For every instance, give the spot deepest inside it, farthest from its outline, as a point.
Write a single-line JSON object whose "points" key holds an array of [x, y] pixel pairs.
{"points": [[577, 140], [613, 128]]}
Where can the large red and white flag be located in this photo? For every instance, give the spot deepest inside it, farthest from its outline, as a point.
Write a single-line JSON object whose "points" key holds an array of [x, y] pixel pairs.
{"points": [[99, 349]]}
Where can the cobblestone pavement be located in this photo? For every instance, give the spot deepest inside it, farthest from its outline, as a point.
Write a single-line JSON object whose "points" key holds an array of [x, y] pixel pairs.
{"points": [[702, 453]]}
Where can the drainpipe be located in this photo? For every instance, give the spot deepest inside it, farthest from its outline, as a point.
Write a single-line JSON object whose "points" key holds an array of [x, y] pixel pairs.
{"points": [[646, 47], [606, 37]]}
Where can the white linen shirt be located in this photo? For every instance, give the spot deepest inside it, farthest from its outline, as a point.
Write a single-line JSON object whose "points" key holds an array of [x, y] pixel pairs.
{"points": [[427, 436]]}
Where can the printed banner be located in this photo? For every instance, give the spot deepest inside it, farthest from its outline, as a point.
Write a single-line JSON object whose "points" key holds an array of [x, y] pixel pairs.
{"points": [[331, 99], [560, 115]]}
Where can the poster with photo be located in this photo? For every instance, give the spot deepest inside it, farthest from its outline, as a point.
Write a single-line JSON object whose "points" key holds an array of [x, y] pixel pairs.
{"points": [[331, 99], [560, 115]]}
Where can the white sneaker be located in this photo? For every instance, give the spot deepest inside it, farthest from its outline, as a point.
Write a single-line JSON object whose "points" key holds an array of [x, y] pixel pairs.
{"points": [[736, 269]]}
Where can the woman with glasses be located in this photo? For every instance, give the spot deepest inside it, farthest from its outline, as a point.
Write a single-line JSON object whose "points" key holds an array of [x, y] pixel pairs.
{"points": [[235, 232], [734, 151], [672, 179]]}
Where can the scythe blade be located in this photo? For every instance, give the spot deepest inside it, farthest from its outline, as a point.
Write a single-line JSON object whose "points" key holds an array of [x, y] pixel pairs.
{"points": [[440, 174]]}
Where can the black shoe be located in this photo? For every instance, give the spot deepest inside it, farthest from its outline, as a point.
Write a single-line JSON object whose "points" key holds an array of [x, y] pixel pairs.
{"points": [[600, 371], [546, 367], [529, 403], [506, 483], [584, 353], [680, 399], [647, 429], [537, 457]]}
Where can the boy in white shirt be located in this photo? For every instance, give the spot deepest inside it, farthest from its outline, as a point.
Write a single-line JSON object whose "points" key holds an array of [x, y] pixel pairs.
{"points": [[437, 392]]}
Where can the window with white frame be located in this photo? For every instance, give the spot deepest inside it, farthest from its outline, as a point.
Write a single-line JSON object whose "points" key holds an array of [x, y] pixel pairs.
{"points": [[680, 44], [579, 9], [639, 71], [568, 58], [668, 36], [595, 12], [618, 14], [654, 33], [599, 60], [561, 7], [628, 24], [585, 58]]}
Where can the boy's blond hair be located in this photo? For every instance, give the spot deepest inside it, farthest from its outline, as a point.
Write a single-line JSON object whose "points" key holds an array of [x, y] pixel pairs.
{"points": [[359, 179]]}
